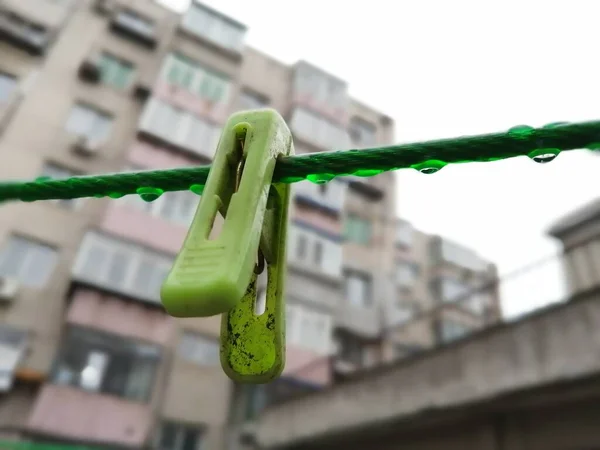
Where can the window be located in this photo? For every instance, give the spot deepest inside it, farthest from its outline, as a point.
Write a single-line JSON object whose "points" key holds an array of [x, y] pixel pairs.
{"points": [[318, 131], [107, 364], [404, 234], [56, 172], [308, 329], [8, 85], [357, 229], [199, 349], [301, 247], [13, 343], [135, 22], [318, 253], [250, 100], [121, 266], [331, 195], [461, 256], [320, 87], [358, 289], [406, 311], [32, 33], [352, 350], [115, 72], [175, 436], [256, 396], [362, 133], [314, 250], [89, 122], [452, 290], [177, 207], [207, 84], [405, 350], [406, 274], [451, 330], [180, 127], [477, 302], [216, 28], [28, 261]]}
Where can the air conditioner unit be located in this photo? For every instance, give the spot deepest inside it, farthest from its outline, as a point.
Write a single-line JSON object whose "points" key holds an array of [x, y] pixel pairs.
{"points": [[84, 146], [8, 289]]}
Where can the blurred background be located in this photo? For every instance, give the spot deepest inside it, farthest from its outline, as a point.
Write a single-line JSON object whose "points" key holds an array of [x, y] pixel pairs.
{"points": [[455, 310]]}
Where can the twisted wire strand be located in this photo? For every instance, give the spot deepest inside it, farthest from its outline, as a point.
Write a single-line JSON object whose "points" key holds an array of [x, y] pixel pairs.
{"points": [[363, 162]]}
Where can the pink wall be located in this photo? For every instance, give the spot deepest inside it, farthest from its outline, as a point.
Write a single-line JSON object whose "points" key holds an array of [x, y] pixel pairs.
{"points": [[138, 226], [154, 157], [338, 115], [307, 366], [322, 221], [184, 99], [111, 314], [76, 414]]}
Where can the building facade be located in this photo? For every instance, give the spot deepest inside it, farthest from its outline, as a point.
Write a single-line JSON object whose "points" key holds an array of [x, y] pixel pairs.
{"points": [[87, 353]]}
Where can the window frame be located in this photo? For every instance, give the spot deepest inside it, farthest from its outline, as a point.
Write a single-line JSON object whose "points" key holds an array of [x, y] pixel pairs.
{"points": [[80, 342], [29, 259], [368, 301], [199, 76], [297, 316], [180, 429], [178, 132], [215, 28], [96, 115], [357, 229], [364, 127], [331, 256], [137, 256], [198, 338], [116, 64], [319, 131]]}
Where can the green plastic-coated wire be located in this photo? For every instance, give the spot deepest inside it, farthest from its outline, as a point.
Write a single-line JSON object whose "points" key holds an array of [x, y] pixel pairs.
{"points": [[540, 144]]}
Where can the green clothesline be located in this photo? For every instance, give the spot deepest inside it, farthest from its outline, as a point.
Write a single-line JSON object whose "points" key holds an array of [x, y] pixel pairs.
{"points": [[540, 144]]}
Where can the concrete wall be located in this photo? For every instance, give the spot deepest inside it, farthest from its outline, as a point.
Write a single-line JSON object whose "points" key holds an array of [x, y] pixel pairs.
{"points": [[504, 359]]}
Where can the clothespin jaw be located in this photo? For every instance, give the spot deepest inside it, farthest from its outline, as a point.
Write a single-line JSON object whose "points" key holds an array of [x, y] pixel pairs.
{"points": [[252, 346], [214, 276]]}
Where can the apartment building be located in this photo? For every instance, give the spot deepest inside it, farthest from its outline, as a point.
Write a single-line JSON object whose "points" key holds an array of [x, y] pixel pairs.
{"points": [[579, 233], [442, 292], [87, 353]]}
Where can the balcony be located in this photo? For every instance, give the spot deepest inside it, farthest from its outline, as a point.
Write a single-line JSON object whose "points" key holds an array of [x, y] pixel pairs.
{"points": [[122, 267], [179, 129], [93, 309], [135, 27], [102, 389], [321, 93], [315, 252], [217, 31], [328, 197], [458, 256], [364, 187], [354, 353], [317, 131], [22, 33], [69, 413]]}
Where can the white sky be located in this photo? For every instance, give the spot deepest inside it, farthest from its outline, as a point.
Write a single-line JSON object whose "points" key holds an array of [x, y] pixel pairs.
{"points": [[449, 68]]}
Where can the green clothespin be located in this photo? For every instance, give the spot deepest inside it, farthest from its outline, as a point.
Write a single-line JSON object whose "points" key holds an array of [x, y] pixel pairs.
{"points": [[217, 276]]}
